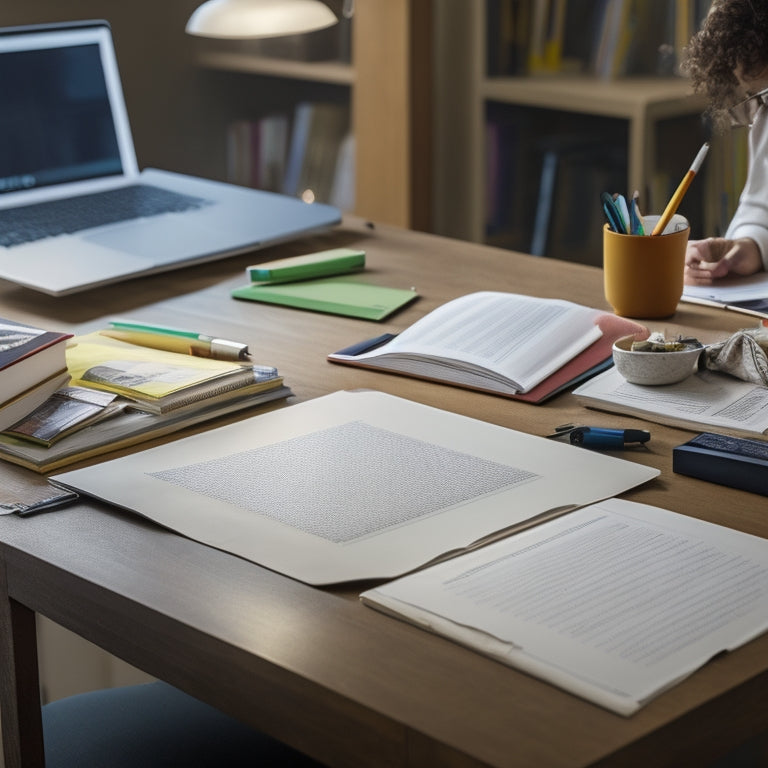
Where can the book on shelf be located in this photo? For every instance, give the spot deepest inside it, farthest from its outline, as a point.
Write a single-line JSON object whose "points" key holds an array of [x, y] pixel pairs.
{"points": [[156, 380], [615, 602], [309, 154], [609, 38], [508, 168], [612, 45], [257, 151], [575, 169], [545, 47], [127, 429], [508, 24], [318, 133], [342, 193], [503, 343], [28, 356], [704, 400]]}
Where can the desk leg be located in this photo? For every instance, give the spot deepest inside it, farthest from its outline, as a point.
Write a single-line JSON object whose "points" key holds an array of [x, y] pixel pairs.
{"points": [[22, 724]]}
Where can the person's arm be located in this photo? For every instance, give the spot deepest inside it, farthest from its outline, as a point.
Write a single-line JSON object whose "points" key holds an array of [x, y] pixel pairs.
{"points": [[744, 249], [750, 221]]}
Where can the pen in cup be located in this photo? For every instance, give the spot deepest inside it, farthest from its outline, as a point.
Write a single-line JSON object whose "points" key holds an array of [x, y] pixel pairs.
{"points": [[176, 340], [636, 225], [621, 204], [613, 214], [676, 199]]}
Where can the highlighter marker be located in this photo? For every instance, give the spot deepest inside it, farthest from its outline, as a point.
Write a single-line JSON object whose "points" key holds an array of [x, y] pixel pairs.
{"points": [[176, 340]]}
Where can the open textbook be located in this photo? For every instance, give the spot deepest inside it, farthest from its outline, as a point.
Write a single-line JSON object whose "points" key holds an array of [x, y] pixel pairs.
{"points": [[616, 602], [504, 343], [355, 485], [706, 399]]}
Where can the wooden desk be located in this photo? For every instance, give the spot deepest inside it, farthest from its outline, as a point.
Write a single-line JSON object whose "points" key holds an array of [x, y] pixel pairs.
{"points": [[313, 667]]}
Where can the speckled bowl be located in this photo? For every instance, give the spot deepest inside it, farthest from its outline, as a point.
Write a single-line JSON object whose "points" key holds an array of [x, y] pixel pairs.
{"points": [[654, 368]]}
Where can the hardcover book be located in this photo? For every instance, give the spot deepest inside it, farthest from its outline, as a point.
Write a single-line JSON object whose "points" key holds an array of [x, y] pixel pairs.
{"points": [[28, 356]]}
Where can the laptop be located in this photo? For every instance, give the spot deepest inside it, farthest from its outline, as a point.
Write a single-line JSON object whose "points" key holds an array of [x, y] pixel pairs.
{"points": [[75, 210]]}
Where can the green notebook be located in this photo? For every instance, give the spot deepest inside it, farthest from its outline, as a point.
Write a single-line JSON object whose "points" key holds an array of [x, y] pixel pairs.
{"points": [[335, 295]]}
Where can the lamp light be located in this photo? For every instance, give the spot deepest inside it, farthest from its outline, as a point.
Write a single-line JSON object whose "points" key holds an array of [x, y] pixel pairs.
{"points": [[259, 18]]}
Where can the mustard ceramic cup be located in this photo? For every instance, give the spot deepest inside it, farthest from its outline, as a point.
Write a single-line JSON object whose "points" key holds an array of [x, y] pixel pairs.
{"points": [[643, 274]]}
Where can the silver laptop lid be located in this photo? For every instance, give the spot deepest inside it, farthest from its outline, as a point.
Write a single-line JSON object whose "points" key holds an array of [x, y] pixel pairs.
{"points": [[63, 121]]}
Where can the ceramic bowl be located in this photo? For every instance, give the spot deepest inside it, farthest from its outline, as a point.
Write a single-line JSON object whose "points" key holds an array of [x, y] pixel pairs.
{"points": [[654, 368]]}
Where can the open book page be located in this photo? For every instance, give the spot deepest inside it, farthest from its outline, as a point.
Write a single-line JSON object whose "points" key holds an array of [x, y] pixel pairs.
{"points": [[500, 341], [615, 602], [706, 399]]}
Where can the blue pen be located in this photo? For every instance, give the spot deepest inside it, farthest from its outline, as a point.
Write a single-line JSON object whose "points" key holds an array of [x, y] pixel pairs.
{"points": [[621, 204], [612, 214], [602, 438], [608, 439]]}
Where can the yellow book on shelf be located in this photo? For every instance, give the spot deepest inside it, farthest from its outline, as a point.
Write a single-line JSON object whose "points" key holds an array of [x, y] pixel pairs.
{"points": [[537, 37], [553, 47]]}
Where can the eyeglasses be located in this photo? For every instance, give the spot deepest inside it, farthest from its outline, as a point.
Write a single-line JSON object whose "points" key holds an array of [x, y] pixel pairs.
{"points": [[743, 114]]}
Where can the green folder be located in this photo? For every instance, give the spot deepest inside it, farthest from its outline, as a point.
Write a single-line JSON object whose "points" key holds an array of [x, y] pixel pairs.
{"points": [[335, 295]]}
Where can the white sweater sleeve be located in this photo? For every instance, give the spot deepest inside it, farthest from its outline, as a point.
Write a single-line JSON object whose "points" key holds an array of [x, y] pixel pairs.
{"points": [[751, 216]]}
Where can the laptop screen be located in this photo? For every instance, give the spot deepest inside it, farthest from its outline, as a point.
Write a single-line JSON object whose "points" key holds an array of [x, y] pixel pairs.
{"points": [[62, 118], [55, 118]]}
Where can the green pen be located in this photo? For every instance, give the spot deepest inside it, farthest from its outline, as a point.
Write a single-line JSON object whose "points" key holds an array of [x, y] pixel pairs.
{"points": [[176, 340]]}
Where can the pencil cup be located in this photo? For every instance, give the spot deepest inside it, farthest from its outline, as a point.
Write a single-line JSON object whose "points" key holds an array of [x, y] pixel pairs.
{"points": [[643, 274]]}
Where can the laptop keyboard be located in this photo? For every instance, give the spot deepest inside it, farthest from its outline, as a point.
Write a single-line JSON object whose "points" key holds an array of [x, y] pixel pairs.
{"points": [[28, 223]]}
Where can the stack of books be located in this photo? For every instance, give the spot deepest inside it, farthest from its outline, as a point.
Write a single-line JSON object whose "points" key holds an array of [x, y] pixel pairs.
{"points": [[32, 367], [123, 393]]}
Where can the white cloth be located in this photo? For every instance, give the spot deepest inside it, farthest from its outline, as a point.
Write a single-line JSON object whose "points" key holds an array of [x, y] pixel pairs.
{"points": [[741, 356], [751, 216]]}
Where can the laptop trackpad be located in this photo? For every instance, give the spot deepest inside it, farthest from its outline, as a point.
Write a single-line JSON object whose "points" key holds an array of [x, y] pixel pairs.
{"points": [[161, 240]]}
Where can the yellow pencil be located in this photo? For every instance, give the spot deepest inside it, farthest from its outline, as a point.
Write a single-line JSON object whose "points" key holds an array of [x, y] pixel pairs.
{"points": [[676, 199]]}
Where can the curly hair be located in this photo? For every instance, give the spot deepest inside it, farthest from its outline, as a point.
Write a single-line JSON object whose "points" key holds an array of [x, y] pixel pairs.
{"points": [[734, 36]]}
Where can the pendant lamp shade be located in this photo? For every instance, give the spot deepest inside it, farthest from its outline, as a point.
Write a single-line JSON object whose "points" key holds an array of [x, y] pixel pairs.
{"points": [[259, 18]]}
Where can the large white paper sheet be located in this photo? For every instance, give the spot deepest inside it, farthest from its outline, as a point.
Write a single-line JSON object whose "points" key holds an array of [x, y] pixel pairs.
{"points": [[615, 602], [354, 485]]}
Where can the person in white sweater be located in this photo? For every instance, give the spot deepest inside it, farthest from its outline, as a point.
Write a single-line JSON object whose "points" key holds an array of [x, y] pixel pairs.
{"points": [[728, 61]]}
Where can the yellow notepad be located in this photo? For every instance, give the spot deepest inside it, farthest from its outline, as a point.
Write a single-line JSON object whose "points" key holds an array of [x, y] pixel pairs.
{"points": [[156, 380]]}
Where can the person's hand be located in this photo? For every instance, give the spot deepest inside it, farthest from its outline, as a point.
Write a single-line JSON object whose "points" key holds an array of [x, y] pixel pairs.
{"points": [[713, 258]]}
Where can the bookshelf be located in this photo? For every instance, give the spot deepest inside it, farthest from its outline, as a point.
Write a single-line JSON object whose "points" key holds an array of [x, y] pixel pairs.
{"points": [[499, 133], [388, 71]]}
